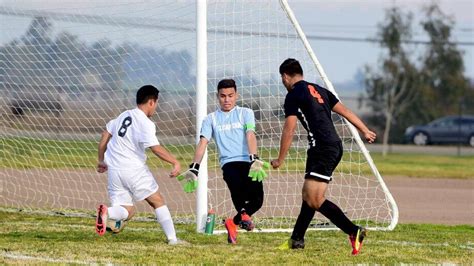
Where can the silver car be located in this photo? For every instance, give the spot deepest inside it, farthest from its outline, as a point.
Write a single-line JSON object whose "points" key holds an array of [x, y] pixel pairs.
{"points": [[448, 129]]}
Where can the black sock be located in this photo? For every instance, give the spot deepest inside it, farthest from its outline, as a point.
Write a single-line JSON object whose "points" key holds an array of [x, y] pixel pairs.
{"points": [[254, 199], [253, 205], [238, 216], [337, 217], [303, 221]]}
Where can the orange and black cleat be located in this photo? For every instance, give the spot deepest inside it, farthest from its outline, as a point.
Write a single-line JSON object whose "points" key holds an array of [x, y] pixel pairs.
{"points": [[246, 222], [356, 240], [231, 231], [101, 220]]}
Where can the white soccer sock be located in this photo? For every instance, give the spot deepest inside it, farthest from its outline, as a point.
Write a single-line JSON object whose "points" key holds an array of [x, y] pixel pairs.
{"points": [[117, 213], [163, 216]]}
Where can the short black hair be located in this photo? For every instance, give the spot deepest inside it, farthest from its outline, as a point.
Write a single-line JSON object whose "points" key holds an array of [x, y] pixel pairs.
{"points": [[146, 93], [226, 83], [291, 67]]}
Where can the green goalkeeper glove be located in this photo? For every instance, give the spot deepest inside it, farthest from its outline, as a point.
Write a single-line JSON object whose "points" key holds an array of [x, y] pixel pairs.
{"points": [[257, 168], [190, 178]]}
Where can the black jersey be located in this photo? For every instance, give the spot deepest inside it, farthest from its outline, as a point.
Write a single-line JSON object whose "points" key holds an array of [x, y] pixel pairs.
{"points": [[312, 104]]}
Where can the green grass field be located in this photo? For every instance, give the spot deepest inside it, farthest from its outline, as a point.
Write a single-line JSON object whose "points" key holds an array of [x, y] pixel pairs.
{"points": [[33, 153], [31, 238], [26, 237]]}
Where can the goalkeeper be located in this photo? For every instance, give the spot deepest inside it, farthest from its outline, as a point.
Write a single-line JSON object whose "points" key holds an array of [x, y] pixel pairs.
{"points": [[233, 129]]}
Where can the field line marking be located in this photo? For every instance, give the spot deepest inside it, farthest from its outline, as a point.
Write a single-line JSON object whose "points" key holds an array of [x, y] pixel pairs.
{"points": [[19, 256]]}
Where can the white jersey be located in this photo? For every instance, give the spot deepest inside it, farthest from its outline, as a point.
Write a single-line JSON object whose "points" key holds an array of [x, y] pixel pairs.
{"points": [[132, 132]]}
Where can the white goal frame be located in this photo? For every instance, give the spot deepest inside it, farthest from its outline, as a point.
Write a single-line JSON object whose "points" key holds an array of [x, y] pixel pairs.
{"points": [[201, 107], [69, 67]]}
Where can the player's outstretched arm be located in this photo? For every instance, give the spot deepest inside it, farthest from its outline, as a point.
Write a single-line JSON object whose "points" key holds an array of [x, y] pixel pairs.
{"points": [[286, 139], [200, 150], [251, 142], [257, 168], [342, 110], [164, 155], [104, 140], [190, 176]]}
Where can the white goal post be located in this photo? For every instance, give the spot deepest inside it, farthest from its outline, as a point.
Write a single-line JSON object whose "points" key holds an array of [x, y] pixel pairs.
{"points": [[202, 203], [68, 67], [352, 129]]}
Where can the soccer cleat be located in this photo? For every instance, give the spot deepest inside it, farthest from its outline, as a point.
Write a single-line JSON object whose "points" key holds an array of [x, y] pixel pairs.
{"points": [[177, 242], [115, 227], [285, 245], [297, 244], [292, 244], [231, 231], [101, 220], [246, 222], [356, 240]]}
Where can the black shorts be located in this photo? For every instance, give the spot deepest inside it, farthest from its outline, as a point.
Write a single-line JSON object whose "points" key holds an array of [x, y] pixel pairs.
{"points": [[245, 193], [322, 160], [236, 170]]}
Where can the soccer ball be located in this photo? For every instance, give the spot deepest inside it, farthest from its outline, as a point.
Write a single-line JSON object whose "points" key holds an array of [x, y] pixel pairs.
{"points": [[115, 226]]}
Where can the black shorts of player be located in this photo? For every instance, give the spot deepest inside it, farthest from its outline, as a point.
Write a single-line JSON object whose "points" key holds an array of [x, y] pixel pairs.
{"points": [[322, 160], [245, 193]]}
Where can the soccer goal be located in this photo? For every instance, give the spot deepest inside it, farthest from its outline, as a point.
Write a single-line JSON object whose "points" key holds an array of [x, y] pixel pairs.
{"points": [[67, 67]]}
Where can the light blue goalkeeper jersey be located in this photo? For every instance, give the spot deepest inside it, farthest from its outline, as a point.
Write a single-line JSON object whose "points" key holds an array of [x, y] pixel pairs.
{"points": [[229, 132]]}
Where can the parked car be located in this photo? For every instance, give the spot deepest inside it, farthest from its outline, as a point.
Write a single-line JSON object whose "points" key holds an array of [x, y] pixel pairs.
{"points": [[448, 129]]}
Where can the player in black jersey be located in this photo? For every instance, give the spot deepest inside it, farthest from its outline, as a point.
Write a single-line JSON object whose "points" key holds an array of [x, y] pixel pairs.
{"points": [[312, 105]]}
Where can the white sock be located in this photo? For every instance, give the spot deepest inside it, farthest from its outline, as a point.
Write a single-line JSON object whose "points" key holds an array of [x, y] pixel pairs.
{"points": [[163, 216], [117, 213]]}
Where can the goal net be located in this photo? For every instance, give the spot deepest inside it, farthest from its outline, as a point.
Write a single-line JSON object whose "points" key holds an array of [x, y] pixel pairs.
{"points": [[68, 67]]}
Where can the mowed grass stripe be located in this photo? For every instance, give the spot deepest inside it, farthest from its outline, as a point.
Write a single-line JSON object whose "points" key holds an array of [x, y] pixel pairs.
{"points": [[136, 228], [72, 239], [21, 257], [26, 153]]}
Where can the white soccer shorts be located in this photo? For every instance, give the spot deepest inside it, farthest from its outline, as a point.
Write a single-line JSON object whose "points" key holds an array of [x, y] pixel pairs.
{"points": [[125, 186]]}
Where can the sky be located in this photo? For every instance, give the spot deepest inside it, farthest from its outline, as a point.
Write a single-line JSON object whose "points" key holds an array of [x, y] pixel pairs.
{"points": [[359, 18], [341, 60]]}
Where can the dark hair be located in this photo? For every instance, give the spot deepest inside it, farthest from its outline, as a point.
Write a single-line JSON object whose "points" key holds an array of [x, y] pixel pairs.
{"points": [[291, 67], [226, 83], [147, 92]]}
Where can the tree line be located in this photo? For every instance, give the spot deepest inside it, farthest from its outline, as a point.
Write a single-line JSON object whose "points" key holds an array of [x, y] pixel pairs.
{"points": [[405, 88], [63, 62]]}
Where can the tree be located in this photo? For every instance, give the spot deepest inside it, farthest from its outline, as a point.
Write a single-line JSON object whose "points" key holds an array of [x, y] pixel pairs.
{"points": [[392, 89], [443, 66], [39, 32]]}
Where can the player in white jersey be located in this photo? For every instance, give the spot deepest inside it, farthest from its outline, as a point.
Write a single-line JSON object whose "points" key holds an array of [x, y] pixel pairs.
{"points": [[233, 130], [122, 153]]}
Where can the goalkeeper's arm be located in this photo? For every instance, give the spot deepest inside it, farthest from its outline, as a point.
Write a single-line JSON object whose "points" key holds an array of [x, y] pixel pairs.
{"points": [[257, 167], [190, 176], [200, 150], [251, 142]]}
